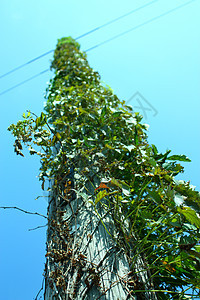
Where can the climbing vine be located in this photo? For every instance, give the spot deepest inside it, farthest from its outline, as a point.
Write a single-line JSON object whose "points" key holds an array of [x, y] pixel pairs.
{"points": [[155, 215]]}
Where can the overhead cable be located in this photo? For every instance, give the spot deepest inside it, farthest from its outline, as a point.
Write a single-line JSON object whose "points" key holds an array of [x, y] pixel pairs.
{"points": [[140, 25], [106, 41], [79, 37], [23, 82]]}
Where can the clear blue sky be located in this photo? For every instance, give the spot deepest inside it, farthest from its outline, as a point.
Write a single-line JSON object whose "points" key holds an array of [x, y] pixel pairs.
{"points": [[160, 60]]}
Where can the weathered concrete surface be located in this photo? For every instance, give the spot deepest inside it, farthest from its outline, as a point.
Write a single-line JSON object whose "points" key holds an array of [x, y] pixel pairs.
{"points": [[95, 266]]}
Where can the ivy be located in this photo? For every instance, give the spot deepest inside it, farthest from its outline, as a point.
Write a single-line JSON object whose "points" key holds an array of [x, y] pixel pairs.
{"points": [[84, 120]]}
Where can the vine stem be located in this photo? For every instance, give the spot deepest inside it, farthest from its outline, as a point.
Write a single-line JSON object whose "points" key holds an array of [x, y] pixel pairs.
{"points": [[24, 211]]}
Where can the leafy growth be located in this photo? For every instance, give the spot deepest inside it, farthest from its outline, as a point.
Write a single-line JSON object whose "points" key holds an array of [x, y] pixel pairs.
{"points": [[85, 121]]}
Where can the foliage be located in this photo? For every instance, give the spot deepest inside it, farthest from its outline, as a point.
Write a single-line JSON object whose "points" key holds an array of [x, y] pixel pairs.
{"points": [[84, 118]]}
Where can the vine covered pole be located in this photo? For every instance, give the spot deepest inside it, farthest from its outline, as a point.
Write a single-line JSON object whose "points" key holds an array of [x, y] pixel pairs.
{"points": [[120, 226], [86, 255]]}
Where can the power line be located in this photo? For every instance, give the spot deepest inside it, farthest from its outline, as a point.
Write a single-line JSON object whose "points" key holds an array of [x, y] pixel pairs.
{"points": [[27, 63], [23, 82], [140, 25], [79, 37], [118, 18], [106, 41]]}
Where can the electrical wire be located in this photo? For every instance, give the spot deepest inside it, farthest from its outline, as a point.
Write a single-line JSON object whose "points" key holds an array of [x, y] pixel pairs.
{"points": [[23, 82], [79, 37], [106, 41], [140, 25], [25, 64]]}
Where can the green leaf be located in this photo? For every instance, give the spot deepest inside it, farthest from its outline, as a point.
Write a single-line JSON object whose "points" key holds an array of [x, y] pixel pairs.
{"points": [[37, 121], [194, 253], [82, 111], [109, 146], [187, 240], [100, 196], [53, 140], [193, 204], [58, 135], [162, 157], [197, 248], [190, 215], [173, 167], [40, 121], [122, 185], [152, 161], [155, 150], [117, 114], [115, 182], [103, 112], [136, 139], [181, 157], [175, 223], [155, 196]]}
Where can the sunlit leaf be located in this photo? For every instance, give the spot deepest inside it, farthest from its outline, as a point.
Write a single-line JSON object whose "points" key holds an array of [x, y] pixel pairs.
{"points": [[179, 158], [100, 196], [155, 150], [58, 135], [190, 215]]}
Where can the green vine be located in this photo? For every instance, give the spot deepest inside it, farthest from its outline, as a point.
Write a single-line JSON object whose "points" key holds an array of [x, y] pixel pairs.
{"points": [[84, 119]]}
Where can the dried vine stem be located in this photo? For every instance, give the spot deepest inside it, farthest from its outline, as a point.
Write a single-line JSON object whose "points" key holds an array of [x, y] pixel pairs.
{"points": [[38, 227], [24, 211]]}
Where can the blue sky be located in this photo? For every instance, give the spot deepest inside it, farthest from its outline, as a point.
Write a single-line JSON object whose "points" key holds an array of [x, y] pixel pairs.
{"points": [[159, 60]]}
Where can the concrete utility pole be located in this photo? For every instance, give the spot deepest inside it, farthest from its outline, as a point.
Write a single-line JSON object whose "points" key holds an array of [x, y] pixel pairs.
{"points": [[86, 254], [119, 225]]}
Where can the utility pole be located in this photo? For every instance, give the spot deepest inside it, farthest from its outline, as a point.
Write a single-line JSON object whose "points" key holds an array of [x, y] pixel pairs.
{"points": [[120, 226], [87, 257]]}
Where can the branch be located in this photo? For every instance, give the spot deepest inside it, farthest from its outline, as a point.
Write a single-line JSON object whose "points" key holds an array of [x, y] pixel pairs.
{"points": [[37, 227], [25, 211], [40, 290]]}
